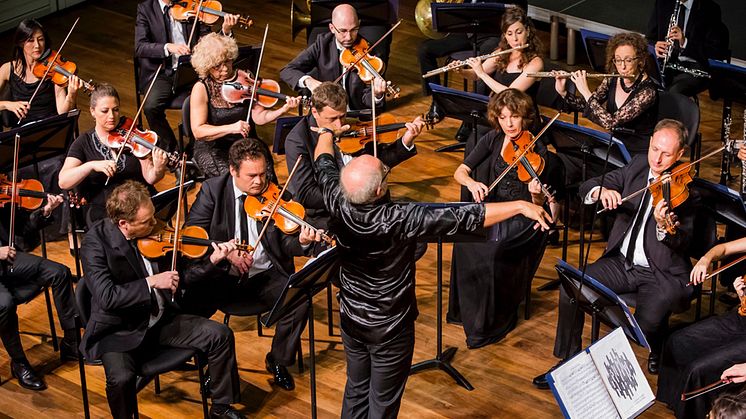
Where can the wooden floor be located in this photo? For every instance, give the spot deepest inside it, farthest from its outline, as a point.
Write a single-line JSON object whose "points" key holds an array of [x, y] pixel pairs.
{"points": [[102, 46]]}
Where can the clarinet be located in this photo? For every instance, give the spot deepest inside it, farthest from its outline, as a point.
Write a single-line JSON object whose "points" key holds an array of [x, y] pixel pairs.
{"points": [[671, 25], [728, 154]]}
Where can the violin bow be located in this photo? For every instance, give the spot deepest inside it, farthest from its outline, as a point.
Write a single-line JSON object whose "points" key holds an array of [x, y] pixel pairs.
{"points": [[720, 270], [684, 167], [49, 67], [706, 389], [347, 70], [179, 210], [276, 204], [525, 150], [256, 76], [134, 120], [14, 195], [373, 113], [194, 25]]}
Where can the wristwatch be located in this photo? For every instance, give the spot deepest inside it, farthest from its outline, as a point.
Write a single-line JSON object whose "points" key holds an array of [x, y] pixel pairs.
{"points": [[324, 130]]}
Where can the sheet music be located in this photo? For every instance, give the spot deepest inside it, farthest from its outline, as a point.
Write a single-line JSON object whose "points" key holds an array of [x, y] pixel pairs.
{"points": [[581, 391], [621, 374]]}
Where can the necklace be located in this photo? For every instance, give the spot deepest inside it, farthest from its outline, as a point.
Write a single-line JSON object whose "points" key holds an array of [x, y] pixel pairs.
{"points": [[633, 86]]}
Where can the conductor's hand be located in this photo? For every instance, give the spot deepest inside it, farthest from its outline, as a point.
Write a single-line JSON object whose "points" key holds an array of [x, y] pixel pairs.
{"points": [[699, 272], [107, 167], [220, 251], [478, 191], [736, 373], [610, 198], [308, 235], [164, 281], [536, 213], [241, 260], [8, 254]]}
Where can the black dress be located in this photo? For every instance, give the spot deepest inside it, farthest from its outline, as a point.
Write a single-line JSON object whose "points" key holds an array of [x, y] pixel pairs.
{"points": [[44, 104], [94, 189], [488, 280]]}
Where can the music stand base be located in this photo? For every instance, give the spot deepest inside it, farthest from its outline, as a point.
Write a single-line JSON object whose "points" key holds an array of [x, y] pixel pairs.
{"points": [[443, 362], [450, 147]]}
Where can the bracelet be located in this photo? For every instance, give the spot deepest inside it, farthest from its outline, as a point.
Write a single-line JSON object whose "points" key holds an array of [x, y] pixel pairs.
{"points": [[324, 130]]}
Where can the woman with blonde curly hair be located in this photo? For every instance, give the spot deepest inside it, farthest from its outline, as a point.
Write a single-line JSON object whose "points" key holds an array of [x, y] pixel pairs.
{"points": [[629, 102], [215, 123]]}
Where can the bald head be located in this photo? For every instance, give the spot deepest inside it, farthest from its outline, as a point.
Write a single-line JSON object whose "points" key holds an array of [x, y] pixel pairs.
{"points": [[345, 25], [362, 179]]}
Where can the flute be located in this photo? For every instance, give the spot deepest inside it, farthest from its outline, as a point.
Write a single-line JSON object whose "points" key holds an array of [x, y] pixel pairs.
{"points": [[567, 75], [463, 63]]}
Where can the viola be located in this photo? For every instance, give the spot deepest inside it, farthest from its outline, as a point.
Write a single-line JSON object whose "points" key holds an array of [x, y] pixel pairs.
{"points": [[368, 66], [674, 189], [30, 193], [209, 12], [194, 243], [60, 70], [355, 139], [140, 142], [267, 91], [530, 163]]}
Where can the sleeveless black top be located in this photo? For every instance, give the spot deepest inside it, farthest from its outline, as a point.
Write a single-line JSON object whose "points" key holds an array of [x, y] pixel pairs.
{"points": [[44, 104]]}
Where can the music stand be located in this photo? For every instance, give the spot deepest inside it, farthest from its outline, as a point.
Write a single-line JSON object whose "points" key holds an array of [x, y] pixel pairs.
{"points": [[300, 289], [165, 202], [283, 127], [600, 302], [728, 82], [464, 106], [442, 358], [184, 75]]}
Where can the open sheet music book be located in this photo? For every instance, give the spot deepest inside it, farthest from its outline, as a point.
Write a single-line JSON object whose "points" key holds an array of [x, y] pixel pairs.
{"points": [[603, 381]]}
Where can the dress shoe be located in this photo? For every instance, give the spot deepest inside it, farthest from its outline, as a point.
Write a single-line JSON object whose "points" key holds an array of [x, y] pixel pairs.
{"points": [[282, 377], [653, 362], [540, 381], [26, 376], [229, 413], [435, 114]]}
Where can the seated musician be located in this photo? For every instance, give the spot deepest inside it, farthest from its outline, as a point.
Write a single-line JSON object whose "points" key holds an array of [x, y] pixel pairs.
{"points": [[215, 122], [641, 257], [619, 103], [698, 34], [131, 309], [328, 112], [30, 43], [29, 275], [322, 60], [250, 282], [488, 280], [159, 43], [90, 161], [377, 240], [697, 355]]}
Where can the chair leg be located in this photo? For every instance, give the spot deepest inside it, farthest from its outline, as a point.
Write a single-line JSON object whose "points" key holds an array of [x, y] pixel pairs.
{"points": [[329, 310], [698, 305], [81, 370], [157, 384], [52, 329], [259, 330], [202, 388], [527, 304]]}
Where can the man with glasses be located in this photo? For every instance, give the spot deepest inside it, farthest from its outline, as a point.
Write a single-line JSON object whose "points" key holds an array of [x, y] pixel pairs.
{"points": [[320, 62]]}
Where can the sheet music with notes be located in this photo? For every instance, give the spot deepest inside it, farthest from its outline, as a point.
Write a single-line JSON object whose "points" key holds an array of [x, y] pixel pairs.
{"points": [[604, 381]]}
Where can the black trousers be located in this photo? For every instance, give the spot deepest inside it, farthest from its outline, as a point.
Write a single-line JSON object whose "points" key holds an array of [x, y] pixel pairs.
{"points": [[376, 375], [696, 356], [431, 49], [652, 310], [247, 298], [31, 274], [180, 331], [155, 111]]}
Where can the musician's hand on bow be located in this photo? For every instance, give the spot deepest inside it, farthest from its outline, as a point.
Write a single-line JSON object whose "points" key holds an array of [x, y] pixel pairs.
{"points": [[8, 254], [220, 251], [229, 21], [240, 127], [581, 83], [699, 271], [19, 108], [476, 64], [478, 191], [610, 198], [241, 260], [736, 373], [378, 87], [740, 286], [168, 280], [107, 167], [414, 129], [178, 49], [742, 153], [308, 235], [536, 213], [53, 201]]}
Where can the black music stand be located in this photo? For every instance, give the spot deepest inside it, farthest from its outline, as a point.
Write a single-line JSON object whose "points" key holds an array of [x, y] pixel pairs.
{"points": [[282, 128], [165, 202], [184, 75], [443, 358], [464, 106], [300, 289], [728, 82], [601, 303]]}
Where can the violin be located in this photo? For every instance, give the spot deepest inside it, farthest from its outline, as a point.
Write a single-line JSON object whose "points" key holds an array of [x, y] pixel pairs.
{"points": [[387, 131], [267, 91], [289, 214], [530, 163], [209, 12], [30, 193], [194, 243], [140, 142], [674, 189], [368, 66], [60, 72]]}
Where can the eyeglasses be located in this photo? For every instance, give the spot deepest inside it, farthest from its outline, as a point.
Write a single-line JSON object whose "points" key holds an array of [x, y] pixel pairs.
{"points": [[628, 61], [346, 31], [386, 171]]}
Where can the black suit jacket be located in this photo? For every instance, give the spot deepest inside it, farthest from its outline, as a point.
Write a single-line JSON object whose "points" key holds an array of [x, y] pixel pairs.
{"points": [[151, 37], [214, 210], [321, 61], [302, 141], [707, 36], [669, 258]]}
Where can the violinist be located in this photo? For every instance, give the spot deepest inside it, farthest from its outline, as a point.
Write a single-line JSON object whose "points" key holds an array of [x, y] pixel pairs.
{"points": [[328, 112], [216, 123], [30, 42], [90, 159], [322, 60], [641, 257], [488, 279], [161, 39], [698, 354], [29, 276], [626, 104], [248, 281], [131, 309]]}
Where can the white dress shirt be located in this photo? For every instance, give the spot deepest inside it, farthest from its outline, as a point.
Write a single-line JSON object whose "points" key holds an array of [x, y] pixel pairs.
{"points": [[261, 260]]}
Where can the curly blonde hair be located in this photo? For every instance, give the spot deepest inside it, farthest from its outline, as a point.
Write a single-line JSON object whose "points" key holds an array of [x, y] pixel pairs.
{"points": [[634, 40], [212, 50]]}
